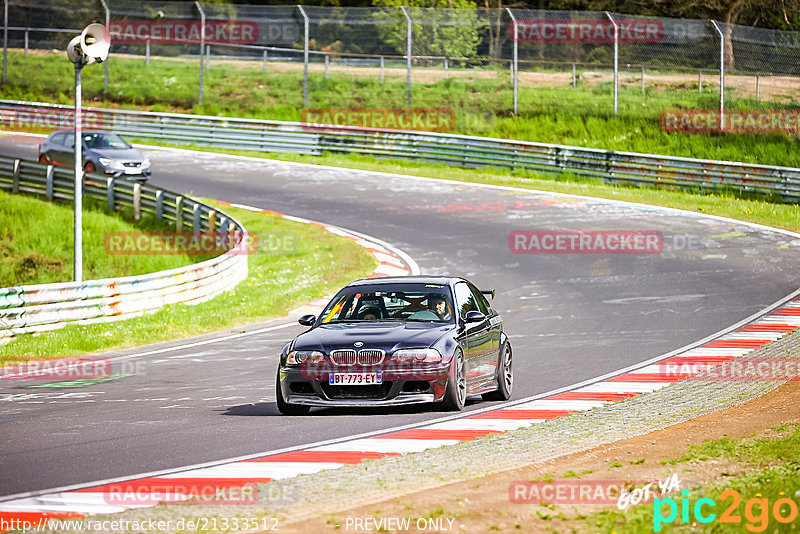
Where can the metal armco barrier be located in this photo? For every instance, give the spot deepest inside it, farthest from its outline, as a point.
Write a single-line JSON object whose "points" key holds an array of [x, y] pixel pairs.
{"points": [[458, 150], [43, 307]]}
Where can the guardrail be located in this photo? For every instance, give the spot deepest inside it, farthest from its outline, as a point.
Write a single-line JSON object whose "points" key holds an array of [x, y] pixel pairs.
{"points": [[43, 307], [613, 167]]}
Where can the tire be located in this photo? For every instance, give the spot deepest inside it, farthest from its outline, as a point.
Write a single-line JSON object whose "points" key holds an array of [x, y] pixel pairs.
{"points": [[43, 159], [89, 167], [284, 407], [505, 376], [456, 393]]}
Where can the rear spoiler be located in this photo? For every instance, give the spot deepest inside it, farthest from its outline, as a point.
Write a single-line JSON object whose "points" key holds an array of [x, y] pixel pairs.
{"points": [[489, 292]]}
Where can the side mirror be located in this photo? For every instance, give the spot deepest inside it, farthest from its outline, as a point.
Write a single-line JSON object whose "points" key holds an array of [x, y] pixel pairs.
{"points": [[307, 320], [474, 316]]}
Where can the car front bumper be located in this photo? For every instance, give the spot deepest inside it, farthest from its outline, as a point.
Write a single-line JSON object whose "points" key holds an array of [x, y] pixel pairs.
{"points": [[396, 390]]}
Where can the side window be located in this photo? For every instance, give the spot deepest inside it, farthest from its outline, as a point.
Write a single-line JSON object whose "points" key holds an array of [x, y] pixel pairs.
{"points": [[483, 306], [59, 138], [465, 300], [69, 140]]}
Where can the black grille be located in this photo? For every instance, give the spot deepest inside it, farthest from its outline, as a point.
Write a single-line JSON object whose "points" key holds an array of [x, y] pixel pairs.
{"points": [[370, 356], [344, 357]]}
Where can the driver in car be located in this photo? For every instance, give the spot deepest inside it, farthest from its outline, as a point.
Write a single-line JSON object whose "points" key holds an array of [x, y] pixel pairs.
{"points": [[438, 305]]}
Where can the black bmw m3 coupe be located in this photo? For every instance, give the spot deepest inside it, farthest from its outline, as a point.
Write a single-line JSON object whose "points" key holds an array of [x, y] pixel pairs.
{"points": [[395, 341]]}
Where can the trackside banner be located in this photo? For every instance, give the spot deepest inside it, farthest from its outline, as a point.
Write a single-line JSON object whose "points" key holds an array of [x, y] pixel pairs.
{"points": [[586, 31], [182, 31]]}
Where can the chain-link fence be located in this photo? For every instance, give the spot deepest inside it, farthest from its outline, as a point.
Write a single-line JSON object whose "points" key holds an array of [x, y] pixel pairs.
{"points": [[425, 45]]}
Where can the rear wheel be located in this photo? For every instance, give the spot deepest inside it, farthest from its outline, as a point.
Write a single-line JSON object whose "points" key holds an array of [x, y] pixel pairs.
{"points": [[43, 159], [456, 393], [505, 376], [284, 407], [89, 167]]}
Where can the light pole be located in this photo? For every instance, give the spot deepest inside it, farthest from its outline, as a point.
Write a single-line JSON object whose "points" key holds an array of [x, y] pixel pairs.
{"points": [[90, 46]]}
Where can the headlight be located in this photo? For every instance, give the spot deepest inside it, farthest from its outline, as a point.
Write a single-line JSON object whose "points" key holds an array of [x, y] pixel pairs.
{"points": [[419, 355], [146, 162], [111, 163], [296, 357]]}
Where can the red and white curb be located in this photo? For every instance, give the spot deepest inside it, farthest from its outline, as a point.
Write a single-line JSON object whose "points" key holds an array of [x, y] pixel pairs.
{"points": [[747, 336]]}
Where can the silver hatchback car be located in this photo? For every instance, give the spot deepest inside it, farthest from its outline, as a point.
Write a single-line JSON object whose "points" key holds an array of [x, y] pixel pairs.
{"points": [[101, 152]]}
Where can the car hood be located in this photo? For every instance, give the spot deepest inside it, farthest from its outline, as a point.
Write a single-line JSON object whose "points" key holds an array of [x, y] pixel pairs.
{"points": [[123, 154], [389, 336]]}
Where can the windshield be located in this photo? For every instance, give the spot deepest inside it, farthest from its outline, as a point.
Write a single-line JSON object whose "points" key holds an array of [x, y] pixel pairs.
{"points": [[104, 140], [391, 302]]}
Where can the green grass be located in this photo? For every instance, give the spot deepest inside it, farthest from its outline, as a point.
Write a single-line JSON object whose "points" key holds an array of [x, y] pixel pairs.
{"points": [[319, 264], [36, 242], [772, 470], [582, 116]]}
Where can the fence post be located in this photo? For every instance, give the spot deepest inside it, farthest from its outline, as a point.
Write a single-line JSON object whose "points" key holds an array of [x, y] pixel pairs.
{"points": [[305, 55], [160, 204], [202, 46], [212, 221], [5, 40], [616, 61], [758, 87], [445, 68], [408, 56], [327, 63], [721, 76], [147, 52], [515, 65], [196, 219], [49, 179], [15, 179], [574, 77], [26, 43], [137, 202], [699, 81], [224, 224], [208, 56], [642, 79], [110, 194], [179, 213], [108, 23], [381, 70], [266, 55]]}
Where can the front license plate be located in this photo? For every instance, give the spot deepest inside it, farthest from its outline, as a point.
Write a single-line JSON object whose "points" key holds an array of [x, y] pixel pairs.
{"points": [[355, 379], [132, 170]]}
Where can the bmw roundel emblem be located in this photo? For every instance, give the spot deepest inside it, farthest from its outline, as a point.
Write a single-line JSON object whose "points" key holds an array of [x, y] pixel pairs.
{"points": [[358, 344]]}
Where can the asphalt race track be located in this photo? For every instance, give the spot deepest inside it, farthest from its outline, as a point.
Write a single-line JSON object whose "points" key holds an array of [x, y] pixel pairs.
{"points": [[570, 317]]}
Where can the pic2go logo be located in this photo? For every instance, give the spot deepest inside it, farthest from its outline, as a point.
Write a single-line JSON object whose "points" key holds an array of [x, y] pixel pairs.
{"points": [[756, 511]]}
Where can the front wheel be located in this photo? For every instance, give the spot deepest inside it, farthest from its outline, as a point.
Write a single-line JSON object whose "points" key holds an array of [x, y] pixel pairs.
{"points": [[456, 393], [284, 407], [43, 159], [505, 376], [89, 167]]}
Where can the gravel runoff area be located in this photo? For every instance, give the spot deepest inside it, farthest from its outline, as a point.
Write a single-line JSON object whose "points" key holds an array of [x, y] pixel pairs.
{"points": [[308, 496]]}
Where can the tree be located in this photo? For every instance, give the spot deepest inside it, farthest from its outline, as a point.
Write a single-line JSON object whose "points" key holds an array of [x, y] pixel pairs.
{"points": [[449, 32]]}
